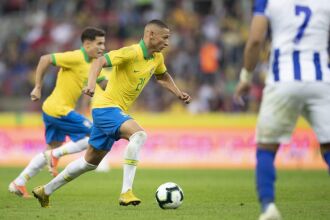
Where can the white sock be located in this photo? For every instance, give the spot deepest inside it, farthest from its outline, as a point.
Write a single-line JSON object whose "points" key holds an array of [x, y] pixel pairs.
{"points": [[72, 171], [71, 147], [136, 141], [129, 174], [34, 167]]}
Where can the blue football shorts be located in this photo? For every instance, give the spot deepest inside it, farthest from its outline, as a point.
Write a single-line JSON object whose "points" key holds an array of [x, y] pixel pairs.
{"points": [[106, 125], [73, 125]]}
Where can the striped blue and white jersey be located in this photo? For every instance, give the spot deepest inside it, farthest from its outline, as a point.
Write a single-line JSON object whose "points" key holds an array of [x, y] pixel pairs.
{"points": [[300, 34]]}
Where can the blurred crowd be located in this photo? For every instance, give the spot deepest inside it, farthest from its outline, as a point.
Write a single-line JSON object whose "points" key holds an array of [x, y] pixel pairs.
{"points": [[204, 57]]}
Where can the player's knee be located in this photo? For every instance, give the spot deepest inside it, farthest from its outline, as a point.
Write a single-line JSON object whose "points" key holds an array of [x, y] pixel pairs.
{"points": [[139, 137]]}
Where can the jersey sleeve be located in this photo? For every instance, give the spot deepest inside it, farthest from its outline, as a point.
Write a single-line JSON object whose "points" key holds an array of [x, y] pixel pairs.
{"points": [[161, 68], [65, 60], [120, 56], [260, 7]]}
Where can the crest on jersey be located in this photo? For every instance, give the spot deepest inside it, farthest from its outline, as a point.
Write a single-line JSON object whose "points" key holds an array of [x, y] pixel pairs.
{"points": [[87, 124], [123, 114]]}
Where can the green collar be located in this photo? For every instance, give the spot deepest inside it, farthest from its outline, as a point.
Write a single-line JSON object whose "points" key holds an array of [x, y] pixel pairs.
{"points": [[85, 54], [145, 51]]}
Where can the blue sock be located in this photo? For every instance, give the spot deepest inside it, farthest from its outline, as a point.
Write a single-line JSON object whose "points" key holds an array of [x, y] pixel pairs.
{"points": [[265, 177], [326, 157]]}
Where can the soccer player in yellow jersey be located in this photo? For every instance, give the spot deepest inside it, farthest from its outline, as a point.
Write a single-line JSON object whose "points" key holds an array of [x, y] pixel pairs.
{"points": [[132, 67], [59, 116]]}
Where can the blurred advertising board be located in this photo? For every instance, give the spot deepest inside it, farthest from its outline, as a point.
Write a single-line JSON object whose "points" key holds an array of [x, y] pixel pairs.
{"points": [[176, 141]]}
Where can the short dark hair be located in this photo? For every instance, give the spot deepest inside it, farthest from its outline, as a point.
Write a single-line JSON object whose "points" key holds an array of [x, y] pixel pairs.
{"points": [[90, 33], [159, 23]]}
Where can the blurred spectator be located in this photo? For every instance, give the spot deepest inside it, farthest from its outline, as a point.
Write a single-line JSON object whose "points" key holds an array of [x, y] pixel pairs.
{"points": [[205, 53], [209, 61]]}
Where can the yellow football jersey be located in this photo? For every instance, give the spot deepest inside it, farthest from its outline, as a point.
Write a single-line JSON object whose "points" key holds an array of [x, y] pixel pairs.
{"points": [[131, 71], [72, 77]]}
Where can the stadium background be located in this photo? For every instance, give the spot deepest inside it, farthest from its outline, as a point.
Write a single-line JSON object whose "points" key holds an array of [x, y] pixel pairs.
{"points": [[204, 56]]}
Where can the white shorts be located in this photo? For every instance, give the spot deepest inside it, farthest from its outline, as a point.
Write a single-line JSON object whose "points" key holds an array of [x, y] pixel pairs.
{"points": [[283, 103]]}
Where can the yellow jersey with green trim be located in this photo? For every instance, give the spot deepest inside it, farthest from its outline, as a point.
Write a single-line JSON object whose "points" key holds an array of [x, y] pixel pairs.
{"points": [[71, 78], [132, 68]]}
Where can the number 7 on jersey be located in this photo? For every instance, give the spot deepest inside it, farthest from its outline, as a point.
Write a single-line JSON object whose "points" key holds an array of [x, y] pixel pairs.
{"points": [[306, 11]]}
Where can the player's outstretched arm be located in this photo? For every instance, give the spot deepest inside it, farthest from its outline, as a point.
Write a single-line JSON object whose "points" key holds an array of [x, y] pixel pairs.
{"points": [[94, 72], [43, 64], [257, 36], [252, 49], [166, 81]]}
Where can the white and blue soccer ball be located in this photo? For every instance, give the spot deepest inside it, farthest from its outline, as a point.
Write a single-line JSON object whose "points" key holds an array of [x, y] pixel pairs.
{"points": [[169, 195]]}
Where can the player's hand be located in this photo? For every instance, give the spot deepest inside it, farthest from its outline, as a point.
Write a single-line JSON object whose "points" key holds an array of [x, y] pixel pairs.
{"points": [[185, 97], [89, 91], [35, 94], [241, 89]]}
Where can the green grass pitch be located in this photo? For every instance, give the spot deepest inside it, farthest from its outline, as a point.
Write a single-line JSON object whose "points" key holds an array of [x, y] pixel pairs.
{"points": [[209, 194]]}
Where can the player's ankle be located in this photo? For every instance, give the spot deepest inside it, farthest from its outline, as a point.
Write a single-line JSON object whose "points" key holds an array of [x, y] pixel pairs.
{"points": [[265, 203]]}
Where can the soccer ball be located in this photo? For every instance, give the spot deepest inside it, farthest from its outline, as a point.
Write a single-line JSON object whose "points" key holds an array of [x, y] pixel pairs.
{"points": [[169, 196]]}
